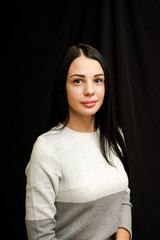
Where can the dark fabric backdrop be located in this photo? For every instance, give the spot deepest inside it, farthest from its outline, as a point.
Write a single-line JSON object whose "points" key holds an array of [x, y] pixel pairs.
{"points": [[128, 35]]}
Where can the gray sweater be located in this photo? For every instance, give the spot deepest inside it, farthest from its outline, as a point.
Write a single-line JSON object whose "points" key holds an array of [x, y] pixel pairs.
{"points": [[72, 193]]}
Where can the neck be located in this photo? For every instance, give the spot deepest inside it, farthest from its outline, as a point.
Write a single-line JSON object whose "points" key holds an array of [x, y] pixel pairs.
{"points": [[82, 124]]}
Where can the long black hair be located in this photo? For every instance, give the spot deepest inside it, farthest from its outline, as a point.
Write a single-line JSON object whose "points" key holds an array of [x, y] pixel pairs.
{"points": [[110, 132]]}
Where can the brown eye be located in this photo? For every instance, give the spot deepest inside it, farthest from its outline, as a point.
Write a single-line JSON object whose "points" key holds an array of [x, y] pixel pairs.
{"points": [[98, 80], [77, 81]]}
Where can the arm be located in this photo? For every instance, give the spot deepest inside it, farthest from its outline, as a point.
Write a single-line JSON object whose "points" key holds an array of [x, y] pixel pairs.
{"points": [[43, 173], [122, 234], [124, 231]]}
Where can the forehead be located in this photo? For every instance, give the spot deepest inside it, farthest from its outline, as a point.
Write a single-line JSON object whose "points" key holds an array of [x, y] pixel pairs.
{"points": [[85, 65]]}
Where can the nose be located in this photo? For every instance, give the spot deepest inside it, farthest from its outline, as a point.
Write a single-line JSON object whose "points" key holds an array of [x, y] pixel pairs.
{"points": [[89, 90]]}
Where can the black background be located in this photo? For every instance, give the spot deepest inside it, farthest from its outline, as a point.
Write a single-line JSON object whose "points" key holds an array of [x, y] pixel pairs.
{"points": [[127, 33]]}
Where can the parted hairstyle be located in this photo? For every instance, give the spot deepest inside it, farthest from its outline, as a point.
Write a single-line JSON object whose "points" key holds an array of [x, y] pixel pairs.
{"points": [[110, 131]]}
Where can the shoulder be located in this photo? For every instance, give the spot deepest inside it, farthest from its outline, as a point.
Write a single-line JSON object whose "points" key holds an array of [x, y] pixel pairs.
{"points": [[47, 144], [49, 138], [45, 154]]}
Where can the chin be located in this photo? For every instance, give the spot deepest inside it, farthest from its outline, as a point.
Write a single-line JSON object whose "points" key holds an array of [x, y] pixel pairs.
{"points": [[89, 113]]}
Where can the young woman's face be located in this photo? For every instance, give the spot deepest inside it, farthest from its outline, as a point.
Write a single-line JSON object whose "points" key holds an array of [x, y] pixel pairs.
{"points": [[85, 86]]}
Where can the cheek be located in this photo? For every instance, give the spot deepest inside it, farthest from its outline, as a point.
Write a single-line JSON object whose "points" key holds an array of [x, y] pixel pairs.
{"points": [[101, 93], [72, 95]]}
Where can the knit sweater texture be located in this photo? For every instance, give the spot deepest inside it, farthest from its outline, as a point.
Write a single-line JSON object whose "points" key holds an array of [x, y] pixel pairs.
{"points": [[72, 192]]}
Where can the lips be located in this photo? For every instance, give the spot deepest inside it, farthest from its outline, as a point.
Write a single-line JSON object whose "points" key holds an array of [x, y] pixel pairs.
{"points": [[89, 103]]}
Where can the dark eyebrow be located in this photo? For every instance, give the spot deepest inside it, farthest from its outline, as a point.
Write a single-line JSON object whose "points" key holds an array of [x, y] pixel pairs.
{"points": [[81, 75], [77, 75], [100, 74]]}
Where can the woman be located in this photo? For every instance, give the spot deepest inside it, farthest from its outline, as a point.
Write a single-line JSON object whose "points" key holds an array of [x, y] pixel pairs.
{"points": [[77, 186]]}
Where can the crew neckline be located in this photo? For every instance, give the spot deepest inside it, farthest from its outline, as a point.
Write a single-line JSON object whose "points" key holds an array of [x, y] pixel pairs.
{"points": [[77, 133]]}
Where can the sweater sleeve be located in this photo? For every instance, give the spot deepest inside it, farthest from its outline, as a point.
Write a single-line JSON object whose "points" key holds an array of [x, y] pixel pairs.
{"points": [[43, 173], [125, 213]]}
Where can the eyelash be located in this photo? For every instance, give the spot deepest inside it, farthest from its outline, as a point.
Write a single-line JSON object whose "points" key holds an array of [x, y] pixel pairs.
{"points": [[76, 81], [100, 80]]}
